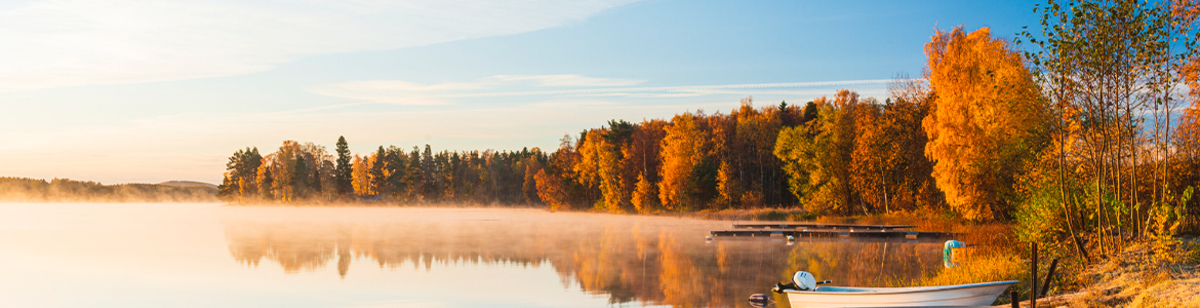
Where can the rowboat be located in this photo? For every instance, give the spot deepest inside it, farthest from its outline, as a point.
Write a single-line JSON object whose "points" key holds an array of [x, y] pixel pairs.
{"points": [[975, 294]]}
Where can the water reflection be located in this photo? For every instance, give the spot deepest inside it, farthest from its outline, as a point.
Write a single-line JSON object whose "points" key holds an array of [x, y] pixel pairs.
{"points": [[648, 260]]}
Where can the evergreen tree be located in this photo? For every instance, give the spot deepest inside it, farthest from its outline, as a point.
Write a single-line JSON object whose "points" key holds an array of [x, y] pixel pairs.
{"points": [[241, 175], [344, 171], [378, 178]]}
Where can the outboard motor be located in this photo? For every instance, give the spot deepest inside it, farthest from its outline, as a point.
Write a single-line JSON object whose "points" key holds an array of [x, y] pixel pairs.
{"points": [[802, 281]]}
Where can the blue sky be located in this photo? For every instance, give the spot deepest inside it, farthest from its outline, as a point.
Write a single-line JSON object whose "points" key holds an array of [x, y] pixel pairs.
{"points": [[148, 91]]}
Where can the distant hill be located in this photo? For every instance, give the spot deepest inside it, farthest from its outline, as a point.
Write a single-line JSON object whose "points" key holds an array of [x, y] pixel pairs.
{"points": [[188, 184], [66, 190]]}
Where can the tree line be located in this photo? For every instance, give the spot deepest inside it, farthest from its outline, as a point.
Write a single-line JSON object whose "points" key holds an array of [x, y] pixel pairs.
{"points": [[65, 190], [308, 173], [1087, 132]]}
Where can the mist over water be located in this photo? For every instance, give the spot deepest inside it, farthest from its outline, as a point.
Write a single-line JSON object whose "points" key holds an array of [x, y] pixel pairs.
{"points": [[213, 255]]}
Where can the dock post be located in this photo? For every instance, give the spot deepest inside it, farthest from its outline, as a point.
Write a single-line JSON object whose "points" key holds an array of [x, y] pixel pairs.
{"points": [[1033, 274], [1012, 297], [1049, 275]]}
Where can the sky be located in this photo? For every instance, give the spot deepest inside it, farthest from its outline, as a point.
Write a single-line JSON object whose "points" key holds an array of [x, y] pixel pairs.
{"points": [[146, 91]]}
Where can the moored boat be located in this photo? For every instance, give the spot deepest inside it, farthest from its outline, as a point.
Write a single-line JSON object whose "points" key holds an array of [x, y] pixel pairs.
{"points": [[974, 294]]}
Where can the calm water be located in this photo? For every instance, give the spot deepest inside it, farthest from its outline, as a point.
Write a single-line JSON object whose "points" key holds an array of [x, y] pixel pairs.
{"points": [[207, 255]]}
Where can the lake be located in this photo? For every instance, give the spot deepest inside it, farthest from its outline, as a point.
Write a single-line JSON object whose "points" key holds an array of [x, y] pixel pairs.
{"points": [[210, 255]]}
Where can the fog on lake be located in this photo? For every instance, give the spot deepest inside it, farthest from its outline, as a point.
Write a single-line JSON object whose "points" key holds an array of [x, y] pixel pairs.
{"points": [[153, 255]]}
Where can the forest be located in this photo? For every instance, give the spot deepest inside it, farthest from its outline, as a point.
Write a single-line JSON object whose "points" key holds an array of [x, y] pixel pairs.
{"points": [[66, 190], [1087, 126]]}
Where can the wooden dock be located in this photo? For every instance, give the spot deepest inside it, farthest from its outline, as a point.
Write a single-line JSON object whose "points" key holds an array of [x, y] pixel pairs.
{"points": [[801, 240], [833, 233], [830, 231], [823, 227]]}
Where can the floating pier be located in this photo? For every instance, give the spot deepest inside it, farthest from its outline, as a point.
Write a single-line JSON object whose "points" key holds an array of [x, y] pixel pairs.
{"points": [[830, 231], [823, 227]]}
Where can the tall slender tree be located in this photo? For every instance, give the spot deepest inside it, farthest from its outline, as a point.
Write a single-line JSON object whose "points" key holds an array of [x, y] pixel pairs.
{"points": [[344, 173]]}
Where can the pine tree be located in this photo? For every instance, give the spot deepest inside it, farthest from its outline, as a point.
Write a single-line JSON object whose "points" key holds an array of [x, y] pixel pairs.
{"points": [[378, 178], [344, 172]]}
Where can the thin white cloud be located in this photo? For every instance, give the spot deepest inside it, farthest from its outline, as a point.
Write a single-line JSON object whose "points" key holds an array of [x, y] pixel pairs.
{"points": [[568, 80], [53, 43], [398, 92], [408, 93]]}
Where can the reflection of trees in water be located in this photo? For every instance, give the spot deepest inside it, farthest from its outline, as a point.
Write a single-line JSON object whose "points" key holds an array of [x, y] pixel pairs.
{"points": [[627, 259]]}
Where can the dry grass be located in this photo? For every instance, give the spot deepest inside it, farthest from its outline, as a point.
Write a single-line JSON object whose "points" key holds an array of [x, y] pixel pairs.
{"points": [[759, 214], [1134, 279], [979, 268], [1171, 293]]}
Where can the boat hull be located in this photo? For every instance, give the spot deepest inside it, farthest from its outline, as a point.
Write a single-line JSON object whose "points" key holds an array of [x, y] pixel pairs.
{"points": [[977, 294]]}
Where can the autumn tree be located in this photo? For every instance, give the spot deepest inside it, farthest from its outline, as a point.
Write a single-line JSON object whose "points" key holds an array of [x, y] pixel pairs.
{"points": [[281, 176], [817, 156], [556, 184], [687, 180], [983, 121], [1186, 161], [723, 154], [871, 172], [552, 191], [360, 174], [1112, 72], [798, 148], [751, 155], [600, 164], [533, 166], [911, 183], [643, 160], [616, 186]]}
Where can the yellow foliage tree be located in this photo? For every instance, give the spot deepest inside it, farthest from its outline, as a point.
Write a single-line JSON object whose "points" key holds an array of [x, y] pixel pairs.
{"points": [[986, 108], [729, 188], [642, 158], [600, 166], [645, 195], [359, 178], [684, 148]]}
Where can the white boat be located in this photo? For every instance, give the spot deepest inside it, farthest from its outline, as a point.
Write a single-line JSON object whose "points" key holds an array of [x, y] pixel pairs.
{"points": [[975, 294], [804, 292]]}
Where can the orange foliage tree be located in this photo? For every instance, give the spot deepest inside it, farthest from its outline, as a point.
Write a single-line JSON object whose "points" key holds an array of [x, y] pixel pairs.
{"points": [[643, 155], [685, 158], [986, 111]]}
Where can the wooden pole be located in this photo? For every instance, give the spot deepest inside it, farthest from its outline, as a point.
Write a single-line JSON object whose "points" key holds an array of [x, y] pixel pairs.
{"points": [[1012, 297], [1033, 275], [1049, 275]]}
